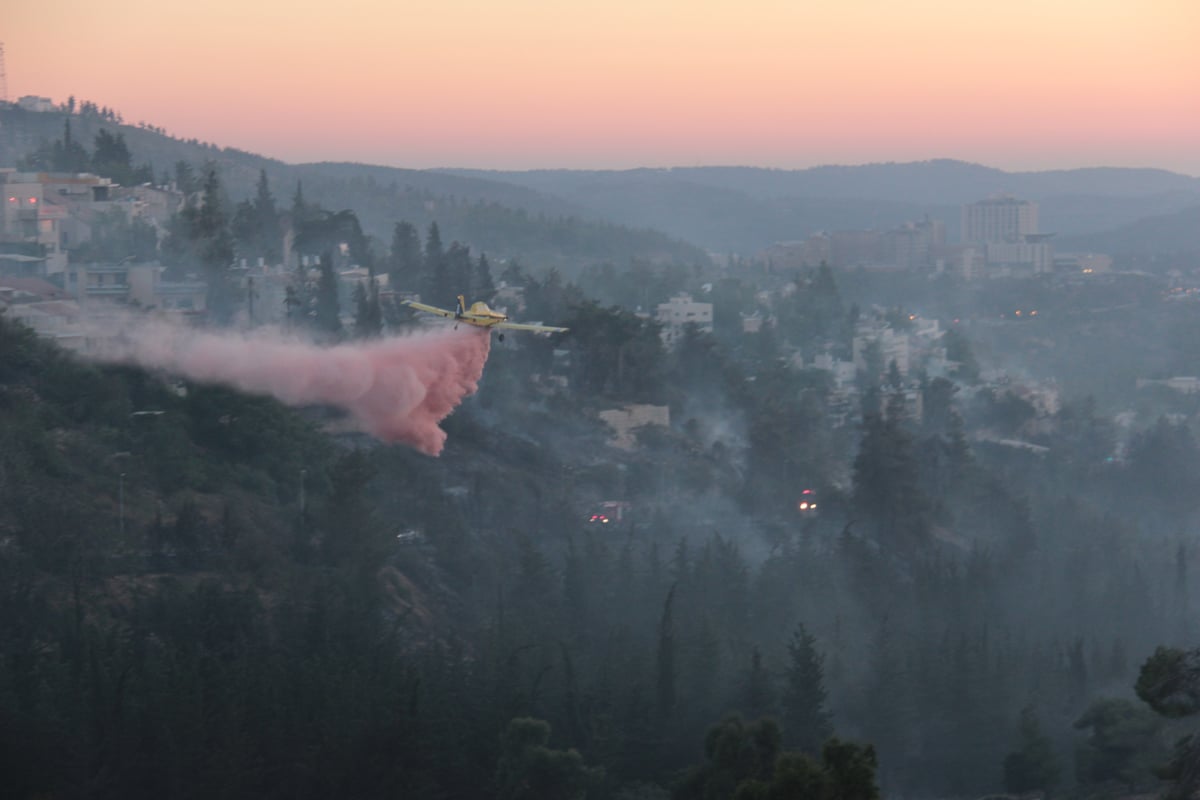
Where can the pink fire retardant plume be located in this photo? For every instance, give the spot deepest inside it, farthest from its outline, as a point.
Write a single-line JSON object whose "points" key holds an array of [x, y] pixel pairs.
{"points": [[397, 389]]}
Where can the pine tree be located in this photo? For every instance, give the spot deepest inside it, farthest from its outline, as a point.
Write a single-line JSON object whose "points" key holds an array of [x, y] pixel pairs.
{"points": [[405, 264], [1169, 681], [300, 299], [213, 244], [328, 307], [958, 350], [266, 220], [436, 286], [367, 312], [887, 694], [807, 723], [528, 769], [458, 271], [665, 661], [374, 309], [886, 490], [70, 155], [302, 212], [482, 283], [826, 303], [362, 312], [185, 178], [1034, 765], [112, 159], [758, 693]]}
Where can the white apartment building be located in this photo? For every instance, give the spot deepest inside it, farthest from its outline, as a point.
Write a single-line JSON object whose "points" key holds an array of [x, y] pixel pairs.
{"points": [[52, 209], [999, 219], [893, 346], [679, 311], [137, 285], [32, 102], [1036, 254], [1005, 229]]}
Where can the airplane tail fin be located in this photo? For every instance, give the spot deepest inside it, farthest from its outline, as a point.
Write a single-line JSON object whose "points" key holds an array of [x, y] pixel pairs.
{"points": [[461, 307]]}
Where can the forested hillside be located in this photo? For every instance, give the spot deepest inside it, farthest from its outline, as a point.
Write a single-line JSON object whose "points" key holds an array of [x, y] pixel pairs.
{"points": [[504, 220], [945, 581], [743, 209], [222, 599], [571, 218]]}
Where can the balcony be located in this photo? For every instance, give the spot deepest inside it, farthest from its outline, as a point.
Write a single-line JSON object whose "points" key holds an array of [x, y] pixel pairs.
{"points": [[109, 290]]}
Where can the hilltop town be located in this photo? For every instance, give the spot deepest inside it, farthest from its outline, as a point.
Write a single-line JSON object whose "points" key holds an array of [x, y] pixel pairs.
{"points": [[76, 243]]}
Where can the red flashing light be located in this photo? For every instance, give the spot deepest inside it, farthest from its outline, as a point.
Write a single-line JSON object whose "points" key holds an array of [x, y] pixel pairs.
{"points": [[33, 201]]}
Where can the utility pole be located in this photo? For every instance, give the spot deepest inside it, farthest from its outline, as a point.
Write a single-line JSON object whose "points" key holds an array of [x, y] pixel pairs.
{"points": [[250, 295], [120, 488], [3, 77]]}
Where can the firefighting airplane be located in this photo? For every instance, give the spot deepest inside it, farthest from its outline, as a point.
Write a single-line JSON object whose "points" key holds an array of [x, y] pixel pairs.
{"points": [[481, 316]]}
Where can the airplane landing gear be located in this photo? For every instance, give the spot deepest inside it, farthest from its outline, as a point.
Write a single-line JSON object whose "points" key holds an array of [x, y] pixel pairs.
{"points": [[500, 336]]}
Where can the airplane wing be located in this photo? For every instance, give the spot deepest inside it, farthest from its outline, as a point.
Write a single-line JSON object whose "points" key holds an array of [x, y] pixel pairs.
{"points": [[441, 312], [517, 326]]}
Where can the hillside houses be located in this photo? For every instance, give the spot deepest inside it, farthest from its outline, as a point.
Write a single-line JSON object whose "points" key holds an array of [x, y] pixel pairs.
{"points": [[57, 211]]}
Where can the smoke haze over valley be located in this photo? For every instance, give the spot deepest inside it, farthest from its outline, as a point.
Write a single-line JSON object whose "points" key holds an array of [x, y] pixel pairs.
{"points": [[397, 389], [867, 466]]}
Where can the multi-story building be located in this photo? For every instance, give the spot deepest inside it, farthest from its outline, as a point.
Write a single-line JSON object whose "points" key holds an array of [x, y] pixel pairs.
{"points": [[151, 204], [809, 253], [1034, 253], [843, 373], [53, 209], [59, 320], [856, 248], [1000, 218], [32, 102], [912, 246], [915, 245], [679, 311], [1005, 230], [893, 346], [44, 307], [136, 285], [626, 420]]}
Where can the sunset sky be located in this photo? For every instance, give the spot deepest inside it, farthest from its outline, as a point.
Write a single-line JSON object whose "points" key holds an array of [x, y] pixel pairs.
{"points": [[515, 84]]}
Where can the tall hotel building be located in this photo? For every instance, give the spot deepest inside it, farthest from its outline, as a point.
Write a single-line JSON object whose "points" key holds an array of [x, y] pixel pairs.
{"points": [[999, 219], [1004, 230]]}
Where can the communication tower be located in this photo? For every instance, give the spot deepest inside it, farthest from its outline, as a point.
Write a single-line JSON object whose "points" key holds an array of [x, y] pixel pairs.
{"points": [[3, 77]]}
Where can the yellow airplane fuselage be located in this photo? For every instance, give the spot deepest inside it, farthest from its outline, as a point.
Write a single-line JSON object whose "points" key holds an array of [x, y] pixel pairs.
{"points": [[479, 314]]}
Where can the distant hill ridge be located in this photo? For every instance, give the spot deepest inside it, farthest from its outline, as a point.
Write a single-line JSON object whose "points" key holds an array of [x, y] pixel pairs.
{"points": [[571, 217], [505, 220], [737, 208], [940, 181]]}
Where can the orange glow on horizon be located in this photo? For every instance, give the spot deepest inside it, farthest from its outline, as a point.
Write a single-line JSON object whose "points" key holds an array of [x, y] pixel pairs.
{"points": [[531, 83]]}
